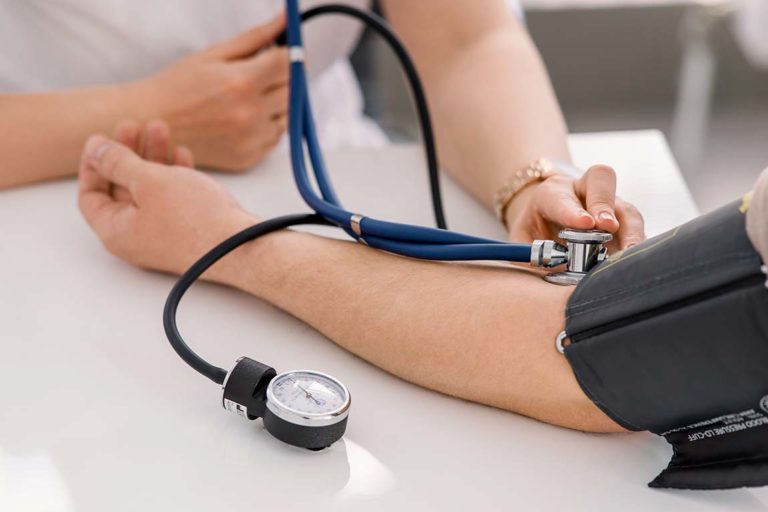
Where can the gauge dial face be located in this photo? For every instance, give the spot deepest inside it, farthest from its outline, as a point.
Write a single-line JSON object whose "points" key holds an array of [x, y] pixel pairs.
{"points": [[308, 393]]}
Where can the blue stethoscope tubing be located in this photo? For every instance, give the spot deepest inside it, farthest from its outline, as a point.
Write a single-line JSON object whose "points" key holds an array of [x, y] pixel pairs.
{"points": [[404, 239]]}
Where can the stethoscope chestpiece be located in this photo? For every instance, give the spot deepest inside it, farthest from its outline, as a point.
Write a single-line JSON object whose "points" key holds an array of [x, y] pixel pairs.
{"points": [[584, 250]]}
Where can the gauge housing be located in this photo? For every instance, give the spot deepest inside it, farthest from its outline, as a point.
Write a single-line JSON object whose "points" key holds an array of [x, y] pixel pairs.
{"points": [[311, 430]]}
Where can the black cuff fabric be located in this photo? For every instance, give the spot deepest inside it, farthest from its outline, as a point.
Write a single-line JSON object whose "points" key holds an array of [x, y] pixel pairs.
{"points": [[671, 336]]}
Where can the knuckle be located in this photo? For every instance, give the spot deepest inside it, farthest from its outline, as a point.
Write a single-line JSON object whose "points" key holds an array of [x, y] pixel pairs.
{"points": [[277, 63], [245, 154], [633, 210], [242, 117], [601, 205], [278, 57], [113, 244], [238, 84]]}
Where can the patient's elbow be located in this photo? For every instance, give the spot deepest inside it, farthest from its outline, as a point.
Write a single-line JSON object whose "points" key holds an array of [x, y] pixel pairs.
{"points": [[587, 417]]}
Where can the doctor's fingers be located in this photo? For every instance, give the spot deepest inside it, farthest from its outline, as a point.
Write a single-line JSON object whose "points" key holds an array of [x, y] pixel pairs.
{"points": [[266, 70], [152, 143], [128, 133], [632, 230], [598, 189], [156, 142], [183, 156], [158, 147], [249, 42], [558, 204], [277, 128], [275, 101]]}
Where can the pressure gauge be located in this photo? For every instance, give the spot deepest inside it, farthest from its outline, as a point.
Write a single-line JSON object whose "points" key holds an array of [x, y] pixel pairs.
{"points": [[307, 408], [303, 407]]}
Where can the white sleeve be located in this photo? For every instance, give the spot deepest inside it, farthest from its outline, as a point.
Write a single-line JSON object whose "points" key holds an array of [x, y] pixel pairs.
{"points": [[749, 27], [517, 7]]}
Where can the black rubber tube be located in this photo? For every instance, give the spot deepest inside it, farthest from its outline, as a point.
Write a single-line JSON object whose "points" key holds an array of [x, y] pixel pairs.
{"points": [[186, 280]]}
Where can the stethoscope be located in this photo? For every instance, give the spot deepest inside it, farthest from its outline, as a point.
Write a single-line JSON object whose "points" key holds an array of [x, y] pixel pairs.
{"points": [[306, 408]]}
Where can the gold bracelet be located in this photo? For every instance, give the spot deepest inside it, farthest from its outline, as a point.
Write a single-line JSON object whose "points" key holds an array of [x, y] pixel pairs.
{"points": [[539, 170]]}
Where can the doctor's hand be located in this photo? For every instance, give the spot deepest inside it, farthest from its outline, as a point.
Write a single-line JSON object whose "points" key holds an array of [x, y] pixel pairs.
{"points": [[165, 217], [228, 103], [541, 209]]}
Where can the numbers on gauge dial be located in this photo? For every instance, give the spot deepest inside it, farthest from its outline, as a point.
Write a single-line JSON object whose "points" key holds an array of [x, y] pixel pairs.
{"points": [[308, 393]]}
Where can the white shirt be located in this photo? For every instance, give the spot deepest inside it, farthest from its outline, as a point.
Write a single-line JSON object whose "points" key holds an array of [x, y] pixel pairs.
{"points": [[62, 44], [750, 22]]}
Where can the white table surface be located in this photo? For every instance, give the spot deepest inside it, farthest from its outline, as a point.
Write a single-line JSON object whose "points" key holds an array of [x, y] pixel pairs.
{"points": [[98, 413]]}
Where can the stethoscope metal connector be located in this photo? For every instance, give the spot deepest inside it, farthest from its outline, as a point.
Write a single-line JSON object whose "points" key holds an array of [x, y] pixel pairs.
{"points": [[583, 251]]}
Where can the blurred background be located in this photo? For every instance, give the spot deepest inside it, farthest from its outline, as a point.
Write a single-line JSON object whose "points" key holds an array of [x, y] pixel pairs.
{"points": [[680, 66]]}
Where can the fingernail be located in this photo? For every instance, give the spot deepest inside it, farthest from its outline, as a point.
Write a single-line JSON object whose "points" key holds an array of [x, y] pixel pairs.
{"points": [[630, 245], [100, 150], [584, 213], [97, 153], [606, 216]]}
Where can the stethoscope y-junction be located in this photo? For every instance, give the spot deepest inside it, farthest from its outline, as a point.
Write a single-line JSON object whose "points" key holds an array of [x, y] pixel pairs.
{"points": [[310, 409]]}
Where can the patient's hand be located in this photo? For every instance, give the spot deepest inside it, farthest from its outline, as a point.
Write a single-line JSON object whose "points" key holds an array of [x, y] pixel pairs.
{"points": [[228, 103], [154, 215], [590, 202]]}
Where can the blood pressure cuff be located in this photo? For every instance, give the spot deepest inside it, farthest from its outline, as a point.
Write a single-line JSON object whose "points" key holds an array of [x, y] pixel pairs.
{"points": [[671, 336]]}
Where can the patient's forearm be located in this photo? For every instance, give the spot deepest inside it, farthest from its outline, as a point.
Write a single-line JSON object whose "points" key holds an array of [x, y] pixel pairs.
{"points": [[481, 333], [42, 135]]}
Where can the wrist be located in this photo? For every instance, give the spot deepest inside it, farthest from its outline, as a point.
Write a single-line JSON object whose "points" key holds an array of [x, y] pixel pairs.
{"points": [[141, 100], [518, 206], [520, 199], [522, 180], [232, 268]]}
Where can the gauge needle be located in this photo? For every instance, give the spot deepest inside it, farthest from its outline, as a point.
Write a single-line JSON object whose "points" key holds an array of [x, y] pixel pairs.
{"points": [[309, 395]]}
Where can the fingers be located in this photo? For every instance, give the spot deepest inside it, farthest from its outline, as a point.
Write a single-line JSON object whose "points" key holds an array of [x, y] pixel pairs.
{"points": [[183, 156], [156, 142], [598, 188], [632, 224], [113, 162], [281, 123], [559, 205], [268, 69], [153, 143], [276, 101], [128, 133], [94, 199], [277, 127], [250, 41]]}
